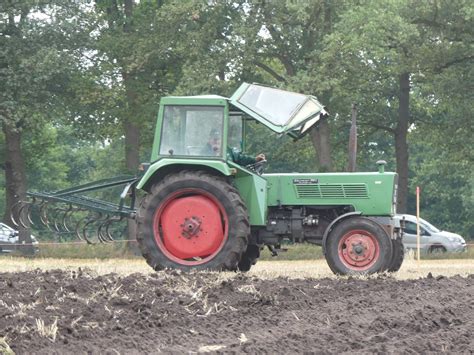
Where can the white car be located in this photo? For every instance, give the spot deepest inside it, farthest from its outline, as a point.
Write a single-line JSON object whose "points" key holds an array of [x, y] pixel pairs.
{"points": [[432, 240], [9, 237]]}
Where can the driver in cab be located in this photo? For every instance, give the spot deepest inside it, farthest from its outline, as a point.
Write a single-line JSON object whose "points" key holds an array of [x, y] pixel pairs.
{"points": [[213, 148]]}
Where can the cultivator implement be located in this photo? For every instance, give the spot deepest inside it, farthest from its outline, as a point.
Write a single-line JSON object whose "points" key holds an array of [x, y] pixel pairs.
{"points": [[72, 212]]}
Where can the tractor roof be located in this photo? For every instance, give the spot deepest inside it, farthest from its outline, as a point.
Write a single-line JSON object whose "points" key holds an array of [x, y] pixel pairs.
{"points": [[281, 111], [194, 100]]}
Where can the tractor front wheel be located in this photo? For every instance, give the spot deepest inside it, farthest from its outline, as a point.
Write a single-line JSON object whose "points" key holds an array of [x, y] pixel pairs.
{"points": [[192, 220], [358, 246]]}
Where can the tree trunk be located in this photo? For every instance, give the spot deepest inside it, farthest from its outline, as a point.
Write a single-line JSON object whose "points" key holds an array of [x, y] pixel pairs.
{"points": [[132, 144], [131, 128], [132, 159], [401, 145], [321, 139], [15, 178], [15, 184], [132, 150]]}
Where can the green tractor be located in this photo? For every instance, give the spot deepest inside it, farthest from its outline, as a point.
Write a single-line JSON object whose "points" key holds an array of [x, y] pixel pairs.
{"points": [[208, 206]]}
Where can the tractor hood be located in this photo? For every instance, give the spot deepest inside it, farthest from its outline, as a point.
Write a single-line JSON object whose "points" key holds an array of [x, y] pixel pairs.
{"points": [[281, 111]]}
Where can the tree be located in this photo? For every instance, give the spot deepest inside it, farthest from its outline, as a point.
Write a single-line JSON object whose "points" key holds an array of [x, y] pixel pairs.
{"points": [[382, 52], [36, 59], [284, 41]]}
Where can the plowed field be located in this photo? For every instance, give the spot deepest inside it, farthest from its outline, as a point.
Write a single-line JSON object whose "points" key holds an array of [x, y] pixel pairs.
{"points": [[79, 311]]}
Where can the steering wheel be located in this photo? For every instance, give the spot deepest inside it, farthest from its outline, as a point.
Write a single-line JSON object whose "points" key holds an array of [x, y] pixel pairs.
{"points": [[258, 167]]}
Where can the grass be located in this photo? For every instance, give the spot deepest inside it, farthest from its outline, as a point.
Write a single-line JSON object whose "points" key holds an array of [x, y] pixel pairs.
{"points": [[85, 251], [118, 250], [81, 250], [301, 260], [295, 252], [411, 269]]}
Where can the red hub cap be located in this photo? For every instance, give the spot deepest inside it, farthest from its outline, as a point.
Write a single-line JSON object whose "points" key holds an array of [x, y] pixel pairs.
{"points": [[358, 250], [190, 227]]}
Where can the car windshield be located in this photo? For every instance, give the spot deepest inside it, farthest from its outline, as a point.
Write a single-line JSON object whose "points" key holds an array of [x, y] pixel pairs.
{"points": [[429, 226]]}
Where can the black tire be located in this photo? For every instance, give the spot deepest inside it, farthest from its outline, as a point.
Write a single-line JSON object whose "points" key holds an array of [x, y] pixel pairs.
{"points": [[249, 258], [367, 231], [398, 254], [208, 185], [437, 249]]}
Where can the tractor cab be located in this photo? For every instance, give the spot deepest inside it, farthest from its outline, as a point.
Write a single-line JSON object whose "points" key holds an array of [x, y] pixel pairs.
{"points": [[208, 126], [191, 127]]}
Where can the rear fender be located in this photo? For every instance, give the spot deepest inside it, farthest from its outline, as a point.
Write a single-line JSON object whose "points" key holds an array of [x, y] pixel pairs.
{"points": [[163, 167]]}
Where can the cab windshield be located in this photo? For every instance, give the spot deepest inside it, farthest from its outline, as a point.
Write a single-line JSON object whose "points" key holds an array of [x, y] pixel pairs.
{"points": [[192, 131], [289, 110]]}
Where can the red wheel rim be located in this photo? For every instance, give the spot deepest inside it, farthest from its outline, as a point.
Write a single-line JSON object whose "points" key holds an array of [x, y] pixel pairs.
{"points": [[358, 250], [190, 227]]}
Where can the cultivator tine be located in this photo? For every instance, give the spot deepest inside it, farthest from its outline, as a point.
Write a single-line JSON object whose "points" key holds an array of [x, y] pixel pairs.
{"points": [[101, 231], [28, 212], [56, 212], [89, 228], [16, 207], [43, 214], [109, 223], [77, 228], [69, 211], [18, 213], [21, 214], [105, 228]]}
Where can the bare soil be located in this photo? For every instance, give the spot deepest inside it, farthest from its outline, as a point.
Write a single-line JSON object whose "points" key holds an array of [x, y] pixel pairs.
{"points": [[77, 311]]}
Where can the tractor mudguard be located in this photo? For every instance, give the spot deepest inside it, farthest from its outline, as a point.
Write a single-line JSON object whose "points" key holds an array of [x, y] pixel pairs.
{"points": [[333, 223], [162, 167], [389, 224]]}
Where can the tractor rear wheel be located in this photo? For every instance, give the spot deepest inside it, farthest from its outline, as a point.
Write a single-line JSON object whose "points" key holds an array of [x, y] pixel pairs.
{"points": [[192, 220], [358, 246], [249, 258], [398, 254]]}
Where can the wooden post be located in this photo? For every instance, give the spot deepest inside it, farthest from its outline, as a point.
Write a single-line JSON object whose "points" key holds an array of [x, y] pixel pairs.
{"points": [[418, 223], [351, 166]]}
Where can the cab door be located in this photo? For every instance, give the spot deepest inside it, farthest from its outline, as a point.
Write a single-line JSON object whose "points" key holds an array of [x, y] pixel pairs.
{"points": [[409, 236]]}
